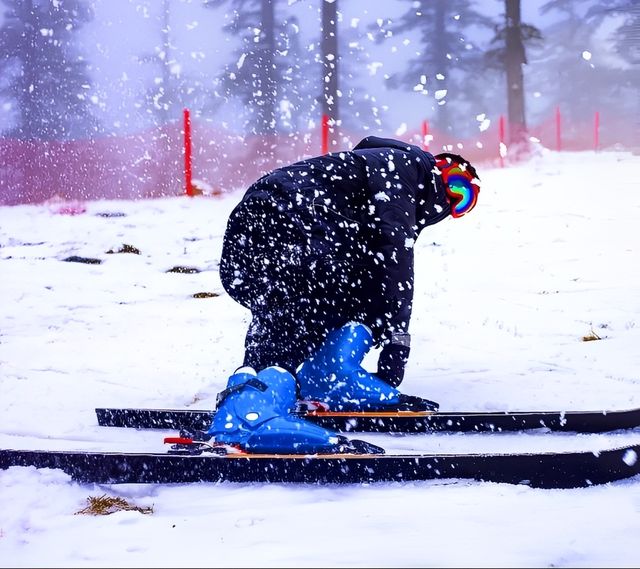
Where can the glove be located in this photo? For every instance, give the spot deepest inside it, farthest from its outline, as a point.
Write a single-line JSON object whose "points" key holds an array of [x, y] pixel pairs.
{"points": [[393, 358]]}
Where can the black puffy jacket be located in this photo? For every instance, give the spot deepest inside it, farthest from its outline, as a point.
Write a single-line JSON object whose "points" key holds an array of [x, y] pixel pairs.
{"points": [[363, 209]]}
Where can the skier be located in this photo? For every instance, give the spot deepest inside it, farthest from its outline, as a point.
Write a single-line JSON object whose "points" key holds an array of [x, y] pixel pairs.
{"points": [[321, 252]]}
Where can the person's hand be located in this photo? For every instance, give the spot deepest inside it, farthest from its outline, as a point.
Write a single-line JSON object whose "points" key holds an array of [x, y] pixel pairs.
{"points": [[393, 359]]}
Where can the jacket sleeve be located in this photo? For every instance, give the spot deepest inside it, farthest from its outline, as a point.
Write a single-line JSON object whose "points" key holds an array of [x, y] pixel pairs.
{"points": [[393, 179], [394, 250], [397, 175]]}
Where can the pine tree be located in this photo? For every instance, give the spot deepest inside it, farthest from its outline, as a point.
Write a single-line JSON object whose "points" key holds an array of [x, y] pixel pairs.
{"points": [[361, 110], [509, 54], [296, 86], [330, 58], [271, 76], [447, 62], [628, 43], [45, 79], [252, 77], [591, 71], [163, 99]]}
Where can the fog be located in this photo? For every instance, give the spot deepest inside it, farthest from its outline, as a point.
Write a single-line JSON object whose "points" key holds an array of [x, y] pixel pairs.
{"points": [[123, 30], [147, 60]]}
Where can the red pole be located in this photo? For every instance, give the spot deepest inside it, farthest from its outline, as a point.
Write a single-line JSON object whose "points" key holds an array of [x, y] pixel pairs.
{"points": [[558, 130], [596, 131], [501, 136], [425, 132], [187, 153], [325, 134]]}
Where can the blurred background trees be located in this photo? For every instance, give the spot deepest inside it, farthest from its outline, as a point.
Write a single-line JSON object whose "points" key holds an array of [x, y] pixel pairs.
{"points": [[45, 83], [259, 75]]}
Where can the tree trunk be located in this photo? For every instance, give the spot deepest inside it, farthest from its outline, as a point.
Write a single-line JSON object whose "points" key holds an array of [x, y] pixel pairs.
{"points": [[515, 58], [443, 65], [329, 50], [31, 124], [265, 92], [165, 100]]}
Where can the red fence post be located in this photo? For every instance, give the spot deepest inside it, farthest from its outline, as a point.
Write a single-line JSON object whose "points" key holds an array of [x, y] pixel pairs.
{"points": [[325, 134], [425, 133], [187, 153], [501, 136], [596, 131], [558, 130]]}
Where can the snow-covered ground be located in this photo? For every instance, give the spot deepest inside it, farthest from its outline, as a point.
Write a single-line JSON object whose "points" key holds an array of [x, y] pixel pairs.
{"points": [[504, 297]]}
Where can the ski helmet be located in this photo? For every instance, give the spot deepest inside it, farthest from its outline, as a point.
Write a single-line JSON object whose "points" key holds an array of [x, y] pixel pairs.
{"points": [[460, 180]]}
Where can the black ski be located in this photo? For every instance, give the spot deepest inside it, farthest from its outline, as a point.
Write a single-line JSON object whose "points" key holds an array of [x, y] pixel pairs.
{"points": [[395, 422], [541, 470]]}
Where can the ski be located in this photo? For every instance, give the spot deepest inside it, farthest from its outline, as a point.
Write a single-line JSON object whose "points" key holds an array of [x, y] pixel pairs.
{"points": [[539, 470], [394, 422]]}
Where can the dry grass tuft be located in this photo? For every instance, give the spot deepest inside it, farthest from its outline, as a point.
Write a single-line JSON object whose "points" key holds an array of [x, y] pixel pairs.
{"points": [[125, 249], [205, 294], [590, 337], [183, 270], [105, 505]]}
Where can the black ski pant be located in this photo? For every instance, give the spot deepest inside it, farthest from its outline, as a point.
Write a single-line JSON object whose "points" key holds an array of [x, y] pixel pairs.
{"points": [[296, 296]]}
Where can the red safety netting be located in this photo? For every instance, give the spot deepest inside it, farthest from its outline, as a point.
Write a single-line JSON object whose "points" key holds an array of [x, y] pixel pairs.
{"points": [[151, 163]]}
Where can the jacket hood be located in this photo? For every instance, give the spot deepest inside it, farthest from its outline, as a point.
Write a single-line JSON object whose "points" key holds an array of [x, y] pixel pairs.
{"points": [[433, 203]]}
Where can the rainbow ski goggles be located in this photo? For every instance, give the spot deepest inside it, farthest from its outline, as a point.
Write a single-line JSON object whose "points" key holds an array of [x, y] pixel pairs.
{"points": [[461, 182]]}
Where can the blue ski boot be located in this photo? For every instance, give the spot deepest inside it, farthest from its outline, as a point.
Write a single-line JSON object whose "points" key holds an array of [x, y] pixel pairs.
{"points": [[254, 414], [334, 376]]}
